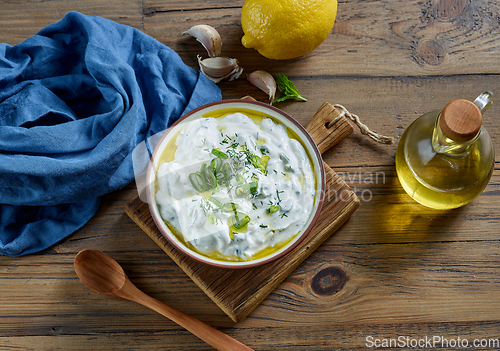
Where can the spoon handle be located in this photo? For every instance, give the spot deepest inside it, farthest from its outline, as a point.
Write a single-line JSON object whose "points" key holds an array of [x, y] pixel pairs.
{"points": [[211, 336]]}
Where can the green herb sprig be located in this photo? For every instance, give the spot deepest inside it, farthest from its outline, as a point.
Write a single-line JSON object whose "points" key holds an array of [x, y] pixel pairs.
{"points": [[288, 89]]}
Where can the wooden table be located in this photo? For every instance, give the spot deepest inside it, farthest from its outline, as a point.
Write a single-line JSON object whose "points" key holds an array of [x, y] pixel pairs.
{"points": [[395, 270]]}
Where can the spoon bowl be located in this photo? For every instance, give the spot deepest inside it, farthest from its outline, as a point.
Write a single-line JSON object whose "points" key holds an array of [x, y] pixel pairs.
{"points": [[99, 272], [102, 274]]}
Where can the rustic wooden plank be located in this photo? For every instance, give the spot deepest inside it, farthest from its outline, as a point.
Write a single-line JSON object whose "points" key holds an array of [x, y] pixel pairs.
{"points": [[381, 38], [22, 19], [141, 340], [383, 284], [396, 218], [154, 7], [418, 38], [416, 286], [293, 338]]}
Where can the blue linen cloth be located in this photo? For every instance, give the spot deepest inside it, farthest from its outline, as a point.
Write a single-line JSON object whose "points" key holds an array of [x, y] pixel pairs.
{"points": [[75, 100]]}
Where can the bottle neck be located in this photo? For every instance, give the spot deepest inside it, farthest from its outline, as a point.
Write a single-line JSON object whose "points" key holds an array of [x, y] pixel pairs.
{"points": [[444, 145]]}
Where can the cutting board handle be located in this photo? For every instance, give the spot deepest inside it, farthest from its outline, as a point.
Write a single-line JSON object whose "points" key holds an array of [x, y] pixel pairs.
{"points": [[324, 133], [327, 127]]}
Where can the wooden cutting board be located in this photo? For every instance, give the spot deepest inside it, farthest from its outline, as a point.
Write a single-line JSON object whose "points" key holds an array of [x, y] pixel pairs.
{"points": [[239, 292]]}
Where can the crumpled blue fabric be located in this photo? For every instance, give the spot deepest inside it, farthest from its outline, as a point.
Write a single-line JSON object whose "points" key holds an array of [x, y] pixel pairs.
{"points": [[75, 100]]}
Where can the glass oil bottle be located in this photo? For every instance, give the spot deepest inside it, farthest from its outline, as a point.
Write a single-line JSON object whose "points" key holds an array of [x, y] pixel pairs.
{"points": [[445, 158]]}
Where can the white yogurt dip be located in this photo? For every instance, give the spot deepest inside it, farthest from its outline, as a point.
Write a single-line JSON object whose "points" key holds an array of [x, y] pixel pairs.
{"points": [[236, 188]]}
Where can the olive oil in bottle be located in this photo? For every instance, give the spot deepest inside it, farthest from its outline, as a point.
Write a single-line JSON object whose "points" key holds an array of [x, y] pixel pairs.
{"points": [[445, 158]]}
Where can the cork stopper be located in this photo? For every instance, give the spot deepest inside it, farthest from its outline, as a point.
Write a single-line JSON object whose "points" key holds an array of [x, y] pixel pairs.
{"points": [[460, 120]]}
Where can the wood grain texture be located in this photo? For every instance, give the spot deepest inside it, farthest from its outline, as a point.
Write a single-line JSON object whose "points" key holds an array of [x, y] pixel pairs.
{"points": [[407, 270], [369, 38], [22, 19], [382, 38]]}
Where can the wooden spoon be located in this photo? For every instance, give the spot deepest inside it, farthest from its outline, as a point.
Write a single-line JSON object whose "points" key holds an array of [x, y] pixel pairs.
{"points": [[104, 275]]}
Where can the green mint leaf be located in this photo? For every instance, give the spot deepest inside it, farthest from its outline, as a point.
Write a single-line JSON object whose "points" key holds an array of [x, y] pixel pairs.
{"points": [[288, 89]]}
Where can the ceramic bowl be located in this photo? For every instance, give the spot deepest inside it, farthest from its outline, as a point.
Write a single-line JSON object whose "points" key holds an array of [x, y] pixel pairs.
{"points": [[260, 108]]}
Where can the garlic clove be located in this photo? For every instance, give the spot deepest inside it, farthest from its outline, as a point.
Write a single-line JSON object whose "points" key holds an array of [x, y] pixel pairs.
{"points": [[264, 81], [208, 37], [219, 68]]}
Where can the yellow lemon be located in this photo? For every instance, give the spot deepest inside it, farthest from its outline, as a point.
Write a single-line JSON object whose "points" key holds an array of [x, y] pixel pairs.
{"points": [[285, 29]]}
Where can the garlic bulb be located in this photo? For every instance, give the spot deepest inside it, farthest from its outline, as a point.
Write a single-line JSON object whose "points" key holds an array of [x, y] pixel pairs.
{"points": [[264, 81], [219, 68], [208, 37]]}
